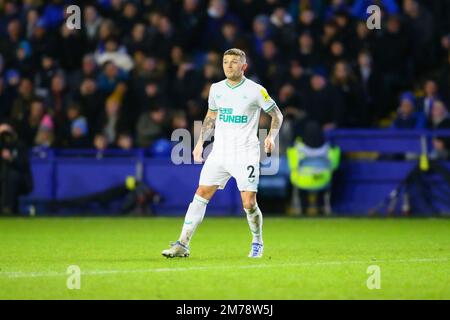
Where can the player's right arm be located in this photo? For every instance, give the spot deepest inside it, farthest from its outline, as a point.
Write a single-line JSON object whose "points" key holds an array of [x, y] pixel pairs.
{"points": [[205, 134], [207, 126]]}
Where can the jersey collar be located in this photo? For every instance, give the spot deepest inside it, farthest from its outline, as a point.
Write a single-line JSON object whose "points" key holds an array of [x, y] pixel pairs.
{"points": [[237, 85]]}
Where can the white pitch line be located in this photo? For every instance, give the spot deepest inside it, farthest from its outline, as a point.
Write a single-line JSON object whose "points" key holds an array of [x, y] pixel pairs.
{"points": [[255, 266]]}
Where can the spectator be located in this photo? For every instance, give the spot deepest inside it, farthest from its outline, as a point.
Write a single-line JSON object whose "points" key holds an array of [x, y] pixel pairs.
{"points": [[371, 82], [21, 105], [71, 46], [100, 142], [217, 15], [283, 29], [229, 37], [43, 78], [444, 79], [190, 21], [113, 120], [110, 77], [336, 53], [10, 42], [88, 70], [54, 13], [322, 103], [31, 16], [78, 128], [308, 23], [166, 37], [364, 39], [440, 120], [15, 178], [345, 27], [297, 76], [271, 65], [419, 23], [356, 113], [194, 112], [407, 115], [306, 53], [248, 10], [91, 102], [261, 32], [24, 62], [107, 30], [11, 83], [130, 17], [125, 141], [42, 42], [329, 34], [425, 103], [289, 102], [115, 54], [3, 102], [10, 12], [178, 120], [2, 65], [45, 134], [393, 63], [28, 126], [58, 99], [138, 40], [150, 126], [92, 22], [334, 7]]}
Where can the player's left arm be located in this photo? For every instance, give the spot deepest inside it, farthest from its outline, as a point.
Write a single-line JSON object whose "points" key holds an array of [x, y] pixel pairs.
{"points": [[277, 121]]}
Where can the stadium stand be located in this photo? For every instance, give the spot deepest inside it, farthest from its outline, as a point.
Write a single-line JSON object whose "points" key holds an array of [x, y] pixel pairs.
{"points": [[137, 70]]}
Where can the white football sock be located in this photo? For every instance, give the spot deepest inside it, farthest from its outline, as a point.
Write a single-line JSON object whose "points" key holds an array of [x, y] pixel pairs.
{"points": [[193, 218], [255, 222]]}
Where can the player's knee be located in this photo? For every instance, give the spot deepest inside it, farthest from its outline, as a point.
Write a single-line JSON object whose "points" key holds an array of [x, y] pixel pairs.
{"points": [[205, 193], [249, 204]]}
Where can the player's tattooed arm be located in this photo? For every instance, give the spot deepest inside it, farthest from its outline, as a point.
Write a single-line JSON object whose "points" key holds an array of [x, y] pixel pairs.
{"points": [[277, 121], [208, 126], [205, 134]]}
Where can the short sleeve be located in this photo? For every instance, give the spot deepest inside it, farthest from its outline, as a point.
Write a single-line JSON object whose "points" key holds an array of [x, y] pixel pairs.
{"points": [[264, 100], [211, 101]]}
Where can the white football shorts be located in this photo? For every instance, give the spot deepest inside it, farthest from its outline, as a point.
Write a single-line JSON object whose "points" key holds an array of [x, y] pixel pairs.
{"points": [[243, 166]]}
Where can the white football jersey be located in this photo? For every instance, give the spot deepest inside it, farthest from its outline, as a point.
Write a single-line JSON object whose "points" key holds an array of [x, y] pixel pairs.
{"points": [[238, 108]]}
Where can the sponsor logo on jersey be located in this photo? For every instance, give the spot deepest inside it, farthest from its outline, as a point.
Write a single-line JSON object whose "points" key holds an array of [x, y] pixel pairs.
{"points": [[265, 95], [226, 115]]}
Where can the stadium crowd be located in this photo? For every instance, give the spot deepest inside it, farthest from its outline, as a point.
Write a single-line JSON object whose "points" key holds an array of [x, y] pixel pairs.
{"points": [[137, 70]]}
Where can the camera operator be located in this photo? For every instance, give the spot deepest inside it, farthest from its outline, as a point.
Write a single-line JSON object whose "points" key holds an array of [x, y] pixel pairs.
{"points": [[15, 171]]}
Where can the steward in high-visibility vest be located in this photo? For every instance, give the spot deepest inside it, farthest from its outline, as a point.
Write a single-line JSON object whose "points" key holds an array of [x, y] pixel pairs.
{"points": [[312, 168]]}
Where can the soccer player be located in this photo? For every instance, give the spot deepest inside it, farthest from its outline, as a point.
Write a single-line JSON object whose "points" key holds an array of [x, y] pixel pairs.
{"points": [[234, 109]]}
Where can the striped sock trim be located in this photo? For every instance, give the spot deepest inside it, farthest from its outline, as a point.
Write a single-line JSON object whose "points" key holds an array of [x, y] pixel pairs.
{"points": [[200, 199]]}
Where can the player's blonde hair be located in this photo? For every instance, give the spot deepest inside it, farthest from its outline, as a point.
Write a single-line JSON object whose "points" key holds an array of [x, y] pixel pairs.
{"points": [[235, 52]]}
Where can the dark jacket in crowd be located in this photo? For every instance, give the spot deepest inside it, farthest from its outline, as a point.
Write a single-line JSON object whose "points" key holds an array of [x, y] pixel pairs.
{"points": [[324, 106]]}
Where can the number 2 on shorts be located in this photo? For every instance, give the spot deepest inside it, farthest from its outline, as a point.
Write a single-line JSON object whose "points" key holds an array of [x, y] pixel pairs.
{"points": [[252, 171]]}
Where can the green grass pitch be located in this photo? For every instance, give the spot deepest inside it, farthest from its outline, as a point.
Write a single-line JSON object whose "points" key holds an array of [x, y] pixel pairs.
{"points": [[120, 258]]}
